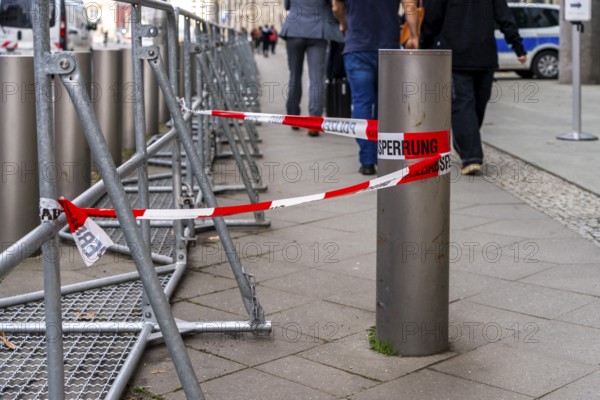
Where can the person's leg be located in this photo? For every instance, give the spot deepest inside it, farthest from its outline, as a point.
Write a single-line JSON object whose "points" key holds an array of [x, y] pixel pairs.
{"points": [[465, 125], [361, 70], [315, 54], [483, 91], [295, 53]]}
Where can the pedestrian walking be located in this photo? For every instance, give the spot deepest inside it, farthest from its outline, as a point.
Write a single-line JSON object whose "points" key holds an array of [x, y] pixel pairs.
{"points": [[370, 26], [266, 32], [467, 28], [273, 36], [309, 26]]}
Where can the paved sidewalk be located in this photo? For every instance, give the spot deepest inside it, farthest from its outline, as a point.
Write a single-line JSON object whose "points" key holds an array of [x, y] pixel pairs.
{"points": [[524, 288]]}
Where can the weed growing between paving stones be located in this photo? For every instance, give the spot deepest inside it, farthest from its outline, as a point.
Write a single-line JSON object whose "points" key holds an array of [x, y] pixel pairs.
{"points": [[141, 393], [380, 347]]}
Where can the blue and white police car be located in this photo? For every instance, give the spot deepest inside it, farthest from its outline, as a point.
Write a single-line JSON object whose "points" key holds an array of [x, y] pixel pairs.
{"points": [[539, 27]]}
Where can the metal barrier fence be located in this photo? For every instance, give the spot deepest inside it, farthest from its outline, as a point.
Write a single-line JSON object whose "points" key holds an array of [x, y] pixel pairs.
{"points": [[96, 356]]}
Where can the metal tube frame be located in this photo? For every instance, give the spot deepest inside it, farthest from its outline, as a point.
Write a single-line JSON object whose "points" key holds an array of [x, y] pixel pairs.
{"points": [[65, 67]]}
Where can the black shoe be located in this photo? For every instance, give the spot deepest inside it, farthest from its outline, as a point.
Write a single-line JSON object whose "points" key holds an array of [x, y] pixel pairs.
{"points": [[367, 169], [313, 133], [295, 128]]}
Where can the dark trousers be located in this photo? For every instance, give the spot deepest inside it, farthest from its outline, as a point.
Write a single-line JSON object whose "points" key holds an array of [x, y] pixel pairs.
{"points": [[315, 53], [470, 94]]}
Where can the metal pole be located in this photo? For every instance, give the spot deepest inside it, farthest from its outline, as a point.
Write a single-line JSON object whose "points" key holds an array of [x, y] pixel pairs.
{"points": [[50, 249], [128, 96], [19, 197], [576, 133], [413, 220], [141, 257], [107, 65]]}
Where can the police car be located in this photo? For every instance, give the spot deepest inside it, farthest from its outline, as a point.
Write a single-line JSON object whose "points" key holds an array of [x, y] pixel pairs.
{"points": [[70, 26], [539, 26]]}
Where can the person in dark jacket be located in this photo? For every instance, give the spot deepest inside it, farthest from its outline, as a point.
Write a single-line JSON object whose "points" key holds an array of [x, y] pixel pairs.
{"points": [[467, 28], [309, 25]]}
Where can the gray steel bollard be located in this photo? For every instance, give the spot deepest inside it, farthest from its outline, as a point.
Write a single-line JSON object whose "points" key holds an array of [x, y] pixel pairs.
{"points": [[19, 196], [107, 66], [150, 100], [129, 95], [72, 153], [163, 111], [413, 220]]}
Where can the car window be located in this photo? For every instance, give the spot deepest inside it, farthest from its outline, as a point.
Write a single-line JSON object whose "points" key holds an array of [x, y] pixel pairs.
{"points": [[520, 17], [541, 18]]}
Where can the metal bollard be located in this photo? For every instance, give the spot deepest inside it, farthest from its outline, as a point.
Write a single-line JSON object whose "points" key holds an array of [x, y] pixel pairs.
{"points": [[19, 197], [72, 153], [129, 95], [163, 111], [107, 65], [150, 100], [413, 220]]}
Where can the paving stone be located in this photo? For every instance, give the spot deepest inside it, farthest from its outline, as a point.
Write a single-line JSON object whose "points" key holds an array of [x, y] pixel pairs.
{"points": [[194, 284], [480, 241], [253, 384], [561, 339], [529, 228], [516, 370], [364, 267], [324, 320], [272, 300], [464, 285], [427, 384], [478, 190], [317, 283], [156, 371], [484, 208], [503, 264], [363, 222], [354, 355], [262, 269], [588, 315], [475, 325], [250, 349], [585, 388], [189, 311], [532, 300], [582, 278], [318, 376], [458, 221], [566, 251], [364, 299]]}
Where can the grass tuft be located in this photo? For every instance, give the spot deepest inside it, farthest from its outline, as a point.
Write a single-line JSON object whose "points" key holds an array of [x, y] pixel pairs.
{"points": [[378, 346]]}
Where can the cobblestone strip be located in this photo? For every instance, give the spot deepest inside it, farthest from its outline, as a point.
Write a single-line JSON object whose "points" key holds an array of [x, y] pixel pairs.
{"points": [[574, 207]]}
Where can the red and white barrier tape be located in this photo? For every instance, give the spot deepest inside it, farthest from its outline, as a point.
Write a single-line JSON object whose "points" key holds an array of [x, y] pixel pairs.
{"points": [[404, 145], [92, 242]]}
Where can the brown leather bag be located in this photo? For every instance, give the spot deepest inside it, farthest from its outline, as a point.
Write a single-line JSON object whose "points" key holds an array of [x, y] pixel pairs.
{"points": [[405, 31]]}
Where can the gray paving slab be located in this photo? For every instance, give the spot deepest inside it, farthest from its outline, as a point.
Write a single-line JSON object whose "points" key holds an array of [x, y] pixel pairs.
{"points": [[318, 376], [563, 340], [532, 300], [517, 370], [464, 284], [272, 300], [477, 190], [508, 263], [264, 268], [352, 354], [582, 278], [565, 251], [325, 320], [584, 388], [157, 374], [248, 349], [427, 384], [474, 325], [255, 384], [196, 284], [529, 228], [500, 211], [588, 315], [363, 299], [317, 283], [363, 267]]}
